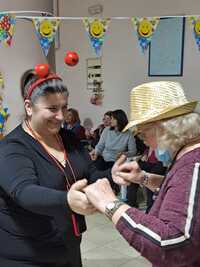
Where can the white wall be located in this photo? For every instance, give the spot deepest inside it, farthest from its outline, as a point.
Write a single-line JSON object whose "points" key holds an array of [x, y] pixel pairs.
{"points": [[124, 66], [24, 53]]}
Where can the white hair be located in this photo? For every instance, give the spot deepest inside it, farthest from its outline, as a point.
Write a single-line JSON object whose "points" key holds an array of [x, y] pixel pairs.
{"points": [[176, 132]]}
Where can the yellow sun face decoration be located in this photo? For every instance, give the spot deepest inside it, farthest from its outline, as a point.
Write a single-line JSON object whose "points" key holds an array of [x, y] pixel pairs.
{"points": [[197, 27], [96, 29], [46, 28], [145, 28]]}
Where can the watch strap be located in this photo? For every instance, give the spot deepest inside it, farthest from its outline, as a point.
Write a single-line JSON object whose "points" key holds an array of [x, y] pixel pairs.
{"points": [[112, 207]]}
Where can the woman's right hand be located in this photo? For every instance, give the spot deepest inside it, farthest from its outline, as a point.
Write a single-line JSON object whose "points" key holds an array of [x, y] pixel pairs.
{"points": [[77, 199]]}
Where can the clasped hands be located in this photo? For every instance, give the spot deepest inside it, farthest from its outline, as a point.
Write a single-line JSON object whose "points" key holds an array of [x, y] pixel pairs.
{"points": [[87, 199]]}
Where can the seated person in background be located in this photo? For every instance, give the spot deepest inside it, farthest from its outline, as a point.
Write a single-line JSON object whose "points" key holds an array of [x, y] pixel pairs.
{"points": [[148, 163], [151, 164], [113, 142], [98, 131], [73, 123], [132, 189], [140, 145]]}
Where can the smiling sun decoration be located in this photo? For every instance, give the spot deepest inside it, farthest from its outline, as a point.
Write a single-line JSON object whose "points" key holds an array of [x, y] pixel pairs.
{"points": [[46, 28], [96, 29], [197, 27], [145, 28]]}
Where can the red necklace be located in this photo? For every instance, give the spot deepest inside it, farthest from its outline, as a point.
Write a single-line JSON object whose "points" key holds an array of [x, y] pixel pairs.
{"points": [[55, 160], [61, 167]]}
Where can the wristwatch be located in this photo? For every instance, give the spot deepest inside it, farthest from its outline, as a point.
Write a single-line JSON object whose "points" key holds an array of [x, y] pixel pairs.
{"points": [[145, 179], [112, 207]]}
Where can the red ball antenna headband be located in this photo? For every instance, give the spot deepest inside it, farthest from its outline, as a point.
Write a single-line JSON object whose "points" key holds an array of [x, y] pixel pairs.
{"points": [[43, 73]]}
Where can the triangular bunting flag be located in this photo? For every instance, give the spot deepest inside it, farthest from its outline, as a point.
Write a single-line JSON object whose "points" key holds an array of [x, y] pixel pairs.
{"points": [[195, 23], [3, 118], [145, 28], [96, 29], [7, 25], [46, 30], [1, 81]]}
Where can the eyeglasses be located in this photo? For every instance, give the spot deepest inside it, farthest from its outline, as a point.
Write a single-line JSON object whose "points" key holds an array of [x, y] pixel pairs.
{"points": [[144, 131]]}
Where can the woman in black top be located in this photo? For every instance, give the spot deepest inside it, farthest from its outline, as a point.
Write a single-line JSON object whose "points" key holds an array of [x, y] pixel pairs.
{"points": [[41, 199]]}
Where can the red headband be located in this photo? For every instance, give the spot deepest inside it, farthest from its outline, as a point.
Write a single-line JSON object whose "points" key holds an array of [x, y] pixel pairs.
{"points": [[42, 71], [50, 76]]}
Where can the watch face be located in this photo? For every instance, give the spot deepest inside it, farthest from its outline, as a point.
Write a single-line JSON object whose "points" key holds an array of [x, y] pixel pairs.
{"points": [[110, 205]]}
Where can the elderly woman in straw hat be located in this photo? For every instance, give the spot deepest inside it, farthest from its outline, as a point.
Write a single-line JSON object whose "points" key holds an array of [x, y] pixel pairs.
{"points": [[170, 234]]}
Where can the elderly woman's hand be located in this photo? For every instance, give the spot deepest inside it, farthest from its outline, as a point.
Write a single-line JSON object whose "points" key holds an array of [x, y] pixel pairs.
{"points": [[124, 173], [115, 169], [77, 199], [100, 194]]}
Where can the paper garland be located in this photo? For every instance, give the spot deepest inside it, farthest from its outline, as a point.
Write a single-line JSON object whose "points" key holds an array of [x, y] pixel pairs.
{"points": [[46, 30], [96, 29], [3, 118], [195, 24], [145, 28], [1, 80], [3, 115], [7, 26]]}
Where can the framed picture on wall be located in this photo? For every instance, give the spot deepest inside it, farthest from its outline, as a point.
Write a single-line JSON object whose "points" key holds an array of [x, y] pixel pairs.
{"points": [[167, 47]]}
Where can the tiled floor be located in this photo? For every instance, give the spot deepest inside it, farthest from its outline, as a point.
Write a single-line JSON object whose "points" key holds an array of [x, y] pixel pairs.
{"points": [[103, 246]]}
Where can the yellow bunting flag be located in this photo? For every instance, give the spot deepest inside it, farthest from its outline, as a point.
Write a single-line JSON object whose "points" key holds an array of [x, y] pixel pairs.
{"points": [[96, 29], [145, 28], [195, 24], [46, 30]]}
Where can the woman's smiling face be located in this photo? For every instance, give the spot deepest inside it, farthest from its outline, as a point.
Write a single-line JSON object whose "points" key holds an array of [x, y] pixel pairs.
{"points": [[47, 114]]}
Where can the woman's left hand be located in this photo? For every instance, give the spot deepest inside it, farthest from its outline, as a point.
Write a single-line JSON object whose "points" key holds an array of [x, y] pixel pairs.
{"points": [[100, 194], [77, 199]]}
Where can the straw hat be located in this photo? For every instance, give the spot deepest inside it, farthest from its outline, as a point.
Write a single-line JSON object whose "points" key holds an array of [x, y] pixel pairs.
{"points": [[155, 101]]}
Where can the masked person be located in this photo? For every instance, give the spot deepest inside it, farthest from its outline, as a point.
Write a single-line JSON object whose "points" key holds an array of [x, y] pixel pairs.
{"points": [[41, 182], [169, 235]]}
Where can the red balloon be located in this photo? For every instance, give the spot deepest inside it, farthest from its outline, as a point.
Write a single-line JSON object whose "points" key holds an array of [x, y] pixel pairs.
{"points": [[71, 58], [42, 70]]}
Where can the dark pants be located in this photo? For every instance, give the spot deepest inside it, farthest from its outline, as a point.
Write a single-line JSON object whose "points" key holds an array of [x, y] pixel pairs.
{"points": [[13, 263], [73, 261]]}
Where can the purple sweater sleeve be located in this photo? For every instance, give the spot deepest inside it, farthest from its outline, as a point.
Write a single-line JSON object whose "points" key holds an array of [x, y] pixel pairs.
{"points": [[170, 233]]}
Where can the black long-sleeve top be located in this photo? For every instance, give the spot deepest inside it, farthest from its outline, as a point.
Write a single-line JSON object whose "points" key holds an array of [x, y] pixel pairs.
{"points": [[34, 214]]}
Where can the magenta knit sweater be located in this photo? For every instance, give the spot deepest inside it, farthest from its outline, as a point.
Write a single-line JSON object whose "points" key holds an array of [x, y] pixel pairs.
{"points": [[169, 236]]}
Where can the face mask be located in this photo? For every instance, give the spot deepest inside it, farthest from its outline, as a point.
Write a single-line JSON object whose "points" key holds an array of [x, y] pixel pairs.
{"points": [[164, 156]]}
